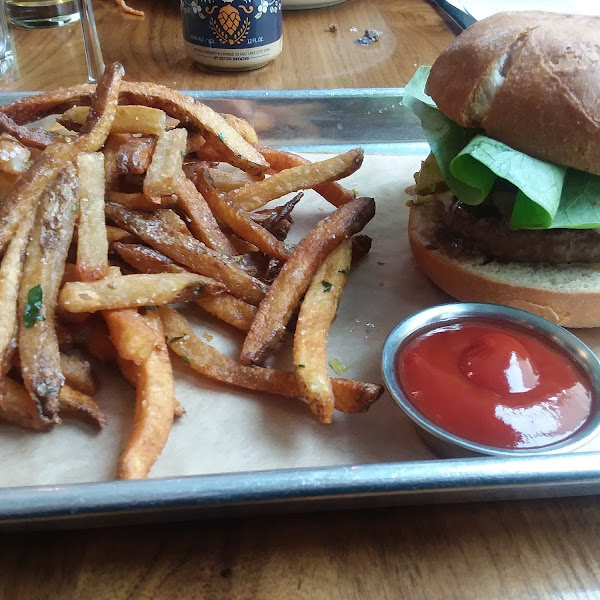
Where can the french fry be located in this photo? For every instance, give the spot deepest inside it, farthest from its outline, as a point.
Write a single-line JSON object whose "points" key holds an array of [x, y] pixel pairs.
{"points": [[78, 373], [38, 289], [92, 242], [202, 222], [116, 234], [279, 160], [130, 333], [317, 312], [33, 138], [130, 371], [229, 144], [110, 150], [162, 176], [78, 404], [350, 396], [239, 220], [14, 157], [189, 252], [25, 194], [19, 408], [171, 219], [135, 155], [128, 119], [27, 191], [139, 201], [10, 277], [226, 307], [228, 181], [135, 290], [257, 194], [154, 409], [296, 274], [242, 127]]}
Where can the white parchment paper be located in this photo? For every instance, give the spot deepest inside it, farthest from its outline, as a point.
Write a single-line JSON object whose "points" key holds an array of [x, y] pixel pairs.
{"points": [[229, 430]]}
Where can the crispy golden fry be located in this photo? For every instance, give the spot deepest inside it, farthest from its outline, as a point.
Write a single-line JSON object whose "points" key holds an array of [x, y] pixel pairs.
{"points": [[10, 277], [238, 219], [130, 333], [92, 242], [97, 126], [302, 177], [202, 222], [33, 138], [14, 157], [130, 371], [228, 181], [154, 409], [78, 373], [189, 252], [20, 409], [279, 160], [116, 234], [131, 291], [228, 143], [242, 127], [25, 194], [110, 150], [350, 396], [317, 312], [296, 274], [128, 119], [195, 141], [27, 191], [79, 404], [38, 289], [135, 155], [162, 176], [138, 201], [226, 307], [171, 219]]}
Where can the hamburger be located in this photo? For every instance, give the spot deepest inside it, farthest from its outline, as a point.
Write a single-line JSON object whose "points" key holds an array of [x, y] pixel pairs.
{"points": [[507, 206]]}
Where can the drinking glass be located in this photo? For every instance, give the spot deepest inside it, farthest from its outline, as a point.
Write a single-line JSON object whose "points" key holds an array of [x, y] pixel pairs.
{"points": [[6, 49], [34, 14]]}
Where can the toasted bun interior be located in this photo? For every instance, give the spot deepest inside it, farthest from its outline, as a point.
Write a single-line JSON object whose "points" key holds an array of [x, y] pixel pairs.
{"points": [[530, 79], [565, 294]]}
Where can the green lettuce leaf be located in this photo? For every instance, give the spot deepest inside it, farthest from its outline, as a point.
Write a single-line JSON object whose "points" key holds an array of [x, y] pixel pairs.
{"points": [[549, 196]]}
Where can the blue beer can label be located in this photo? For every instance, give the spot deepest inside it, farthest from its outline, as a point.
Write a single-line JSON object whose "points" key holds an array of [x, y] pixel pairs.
{"points": [[231, 24]]}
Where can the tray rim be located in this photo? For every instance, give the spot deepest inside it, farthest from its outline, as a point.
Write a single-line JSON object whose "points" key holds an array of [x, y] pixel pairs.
{"points": [[237, 493]]}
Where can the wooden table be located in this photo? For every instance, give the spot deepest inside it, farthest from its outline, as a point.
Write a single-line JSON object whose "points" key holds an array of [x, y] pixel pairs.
{"points": [[526, 549]]}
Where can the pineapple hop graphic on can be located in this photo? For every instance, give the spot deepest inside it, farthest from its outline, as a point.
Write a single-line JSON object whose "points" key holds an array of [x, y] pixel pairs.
{"points": [[232, 35]]}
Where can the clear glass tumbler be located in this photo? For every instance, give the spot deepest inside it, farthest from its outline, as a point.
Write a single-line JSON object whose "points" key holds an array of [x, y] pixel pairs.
{"points": [[6, 49], [35, 14]]}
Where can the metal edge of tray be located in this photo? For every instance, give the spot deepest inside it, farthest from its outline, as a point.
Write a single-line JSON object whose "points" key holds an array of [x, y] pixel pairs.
{"points": [[318, 120], [351, 486], [293, 490]]}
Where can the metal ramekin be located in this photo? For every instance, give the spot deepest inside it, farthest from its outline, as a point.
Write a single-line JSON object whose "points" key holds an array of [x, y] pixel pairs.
{"points": [[448, 444]]}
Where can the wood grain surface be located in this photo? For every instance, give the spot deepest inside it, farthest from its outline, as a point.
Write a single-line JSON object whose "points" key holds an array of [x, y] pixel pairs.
{"points": [[151, 49], [536, 549]]}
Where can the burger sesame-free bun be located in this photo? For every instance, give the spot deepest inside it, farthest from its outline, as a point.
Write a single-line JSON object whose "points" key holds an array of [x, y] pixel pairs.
{"points": [[530, 79], [565, 294]]}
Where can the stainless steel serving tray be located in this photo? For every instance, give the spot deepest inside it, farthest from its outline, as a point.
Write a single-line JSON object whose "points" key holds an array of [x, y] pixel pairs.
{"points": [[307, 120]]}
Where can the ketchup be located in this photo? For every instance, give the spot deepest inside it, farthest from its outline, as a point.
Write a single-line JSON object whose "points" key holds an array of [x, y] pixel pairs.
{"points": [[495, 385]]}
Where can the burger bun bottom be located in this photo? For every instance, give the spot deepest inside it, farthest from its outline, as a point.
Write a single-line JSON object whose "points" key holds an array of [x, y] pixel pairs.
{"points": [[567, 294]]}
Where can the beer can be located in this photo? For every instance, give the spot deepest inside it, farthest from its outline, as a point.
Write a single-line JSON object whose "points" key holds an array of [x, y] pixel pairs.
{"points": [[232, 35]]}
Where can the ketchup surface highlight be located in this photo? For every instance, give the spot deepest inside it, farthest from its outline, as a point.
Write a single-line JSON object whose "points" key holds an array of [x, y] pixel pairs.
{"points": [[495, 385]]}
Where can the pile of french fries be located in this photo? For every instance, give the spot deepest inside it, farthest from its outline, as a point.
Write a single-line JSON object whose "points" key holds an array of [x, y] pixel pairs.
{"points": [[139, 198]]}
